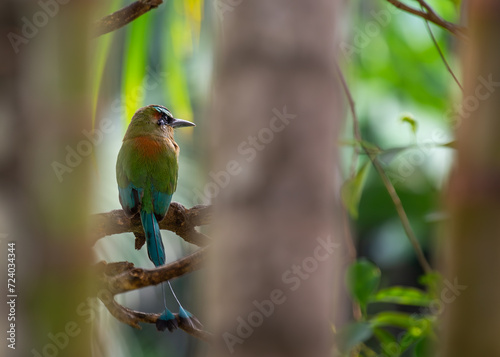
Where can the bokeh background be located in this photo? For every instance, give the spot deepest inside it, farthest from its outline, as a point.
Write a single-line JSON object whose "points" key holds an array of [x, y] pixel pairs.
{"points": [[394, 72], [404, 99]]}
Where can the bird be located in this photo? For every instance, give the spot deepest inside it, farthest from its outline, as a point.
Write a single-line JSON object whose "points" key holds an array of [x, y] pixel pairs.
{"points": [[146, 173]]}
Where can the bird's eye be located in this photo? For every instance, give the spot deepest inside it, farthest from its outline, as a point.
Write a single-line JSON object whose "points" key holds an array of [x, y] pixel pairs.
{"points": [[162, 121]]}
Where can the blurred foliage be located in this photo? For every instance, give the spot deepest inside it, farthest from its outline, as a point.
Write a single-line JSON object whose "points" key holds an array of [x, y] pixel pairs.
{"points": [[393, 68], [388, 332]]}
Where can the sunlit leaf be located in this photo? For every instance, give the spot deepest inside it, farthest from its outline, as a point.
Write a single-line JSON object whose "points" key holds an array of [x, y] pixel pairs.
{"points": [[433, 282], [363, 278], [103, 44], [414, 335], [388, 343], [415, 323], [134, 69], [451, 144], [408, 118], [353, 188], [193, 14], [176, 81], [403, 295]]}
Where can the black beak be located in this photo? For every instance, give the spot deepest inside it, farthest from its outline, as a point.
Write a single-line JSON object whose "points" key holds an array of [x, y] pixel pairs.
{"points": [[179, 123]]}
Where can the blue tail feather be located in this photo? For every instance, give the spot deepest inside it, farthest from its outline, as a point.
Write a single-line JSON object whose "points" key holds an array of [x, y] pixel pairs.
{"points": [[154, 243], [166, 320], [156, 253]]}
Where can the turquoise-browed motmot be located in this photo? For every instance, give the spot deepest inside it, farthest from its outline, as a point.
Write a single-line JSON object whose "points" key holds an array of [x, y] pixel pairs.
{"points": [[146, 171]]}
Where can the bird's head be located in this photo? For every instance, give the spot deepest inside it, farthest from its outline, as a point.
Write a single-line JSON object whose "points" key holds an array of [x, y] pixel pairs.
{"points": [[155, 120]]}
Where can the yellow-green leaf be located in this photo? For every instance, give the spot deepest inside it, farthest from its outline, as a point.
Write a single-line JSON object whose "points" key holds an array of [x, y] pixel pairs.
{"points": [[403, 295], [408, 118], [99, 63], [363, 278], [353, 188], [134, 69]]}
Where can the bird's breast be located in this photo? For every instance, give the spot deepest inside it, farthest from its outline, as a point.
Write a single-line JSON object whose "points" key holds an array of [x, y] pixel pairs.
{"points": [[154, 147]]}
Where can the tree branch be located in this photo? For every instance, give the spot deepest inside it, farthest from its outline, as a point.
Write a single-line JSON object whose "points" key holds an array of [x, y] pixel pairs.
{"points": [[122, 17], [117, 278], [179, 220], [132, 318], [121, 277], [430, 15]]}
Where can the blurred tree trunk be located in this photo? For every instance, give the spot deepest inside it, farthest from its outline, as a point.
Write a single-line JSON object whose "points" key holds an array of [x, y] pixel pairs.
{"points": [[44, 108], [275, 119], [472, 321]]}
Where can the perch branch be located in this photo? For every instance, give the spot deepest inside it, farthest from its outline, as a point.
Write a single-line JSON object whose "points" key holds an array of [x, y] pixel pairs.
{"points": [[179, 220], [430, 15], [124, 16], [122, 277], [116, 278], [132, 318]]}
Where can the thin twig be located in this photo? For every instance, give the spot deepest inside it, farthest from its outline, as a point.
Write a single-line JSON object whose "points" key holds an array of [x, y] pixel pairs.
{"points": [[426, 6], [387, 183], [124, 16], [443, 58], [433, 17]]}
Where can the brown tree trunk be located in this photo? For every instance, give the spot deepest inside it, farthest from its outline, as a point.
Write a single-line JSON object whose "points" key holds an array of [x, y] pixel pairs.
{"points": [[275, 122], [472, 322], [44, 91]]}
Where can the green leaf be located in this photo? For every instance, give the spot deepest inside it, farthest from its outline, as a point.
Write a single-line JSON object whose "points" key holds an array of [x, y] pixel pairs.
{"points": [[414, 323], [390, 318], [403, 295], [134, 68], [433, 283], [363, 278], [388, 343], [424, 347], [408, 118], [353, 334], [177, 45], [353, 188], [103, 45], [414, 335], [451, 144]]}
